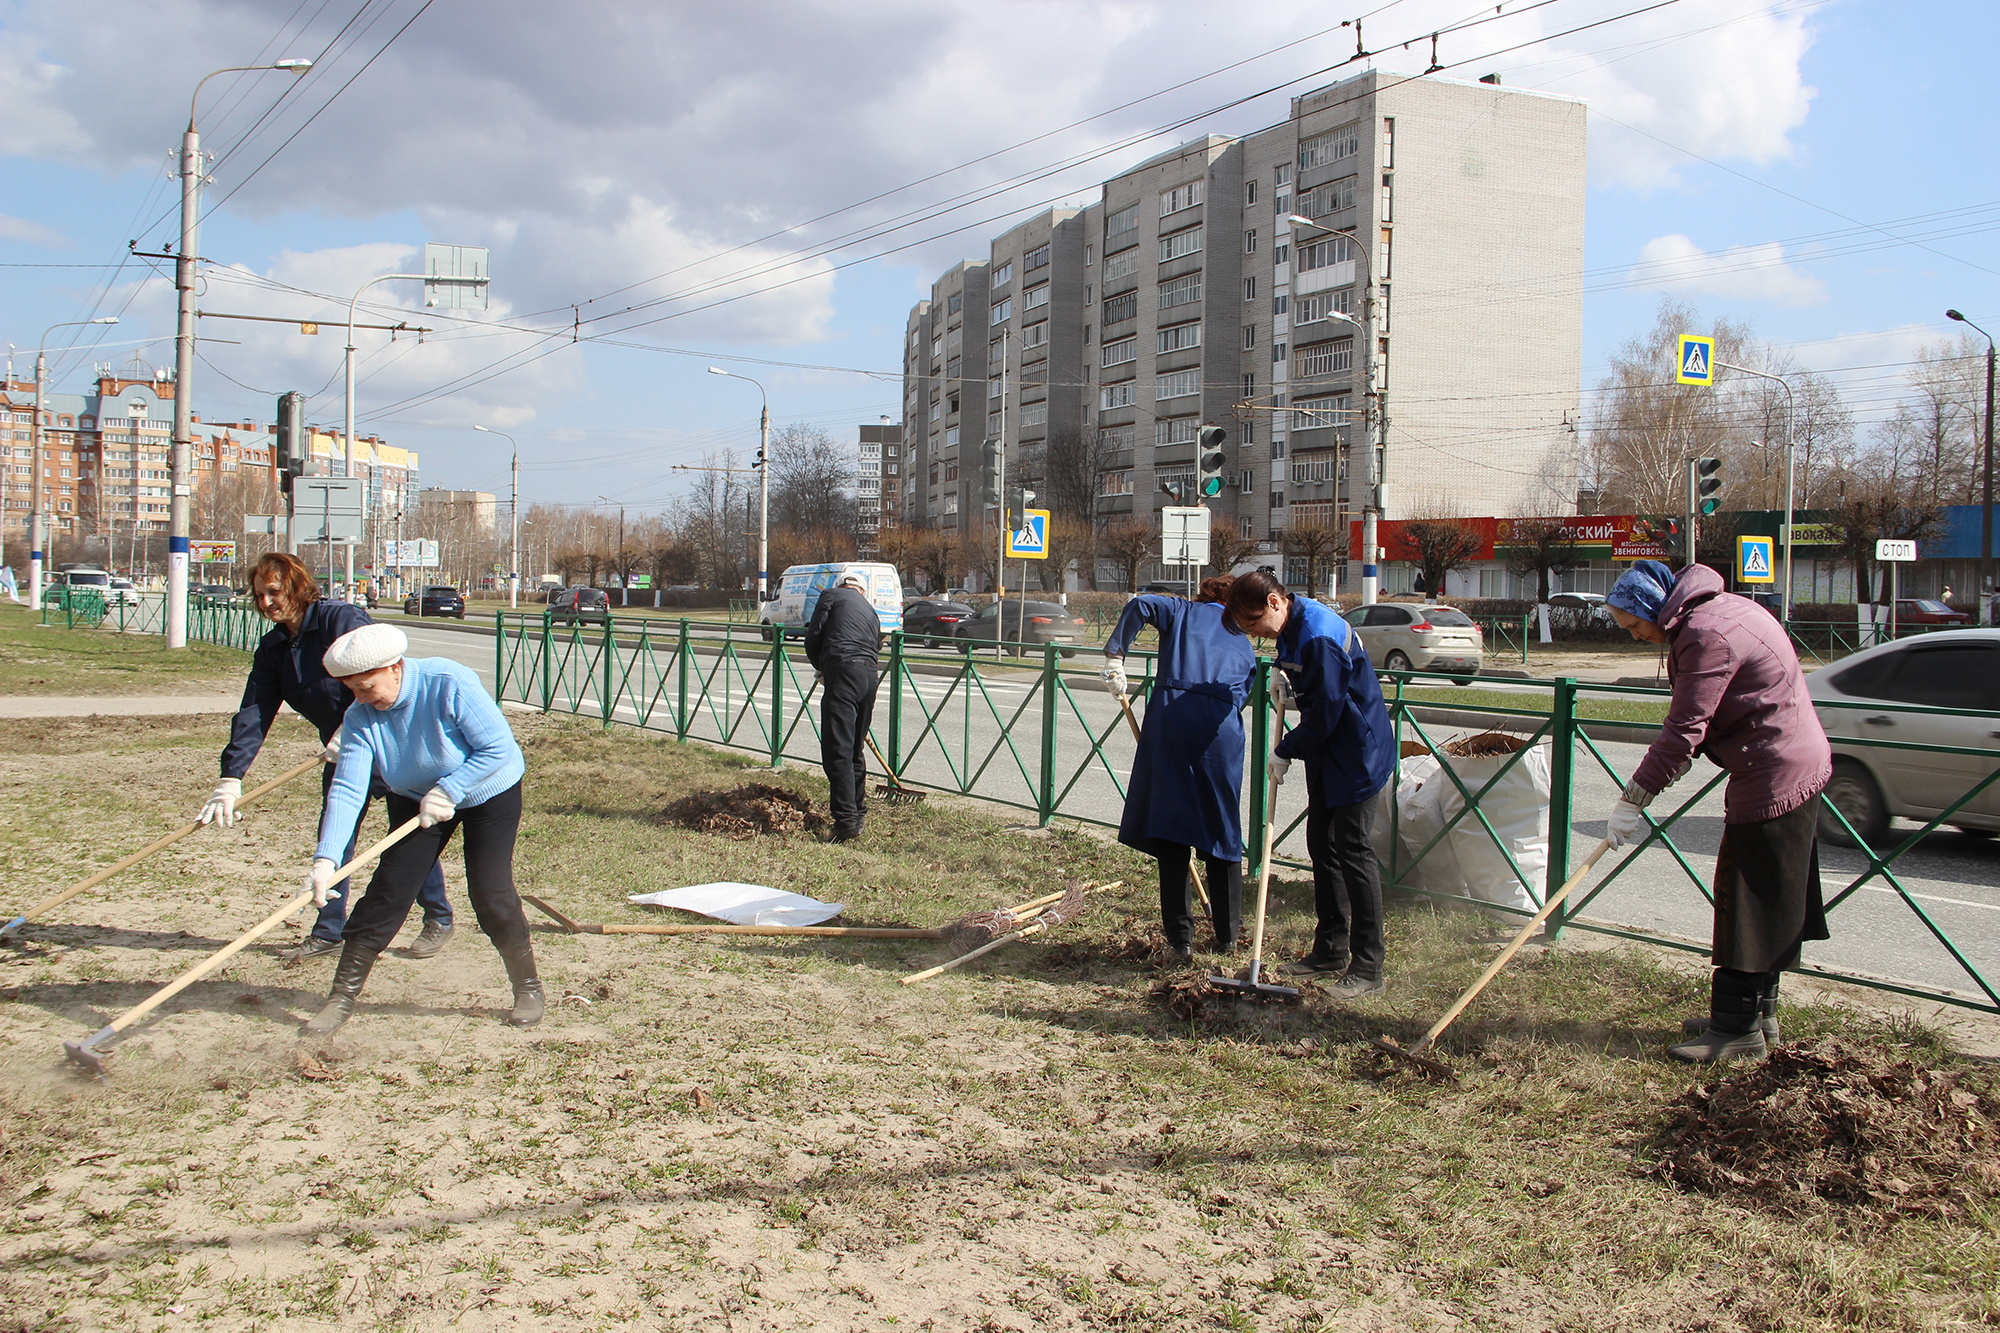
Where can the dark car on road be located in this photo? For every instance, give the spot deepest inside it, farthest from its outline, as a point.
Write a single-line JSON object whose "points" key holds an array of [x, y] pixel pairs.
{"points": [[580, 605], [1032, 623], [435, 601], [931, 623], [1929, 611]]}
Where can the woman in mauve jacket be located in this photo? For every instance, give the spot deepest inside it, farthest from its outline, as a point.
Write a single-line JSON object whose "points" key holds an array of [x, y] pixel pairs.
{"points": [[1739, 699]]}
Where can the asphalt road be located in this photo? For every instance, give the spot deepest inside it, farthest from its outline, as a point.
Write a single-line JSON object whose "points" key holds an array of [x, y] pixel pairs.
{"points": [[952, 731]]}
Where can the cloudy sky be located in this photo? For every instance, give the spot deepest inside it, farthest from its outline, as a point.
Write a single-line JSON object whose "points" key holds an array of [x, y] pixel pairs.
{"points": [[664, 185]]}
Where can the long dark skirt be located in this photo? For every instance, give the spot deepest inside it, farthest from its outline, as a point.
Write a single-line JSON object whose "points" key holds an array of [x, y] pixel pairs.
{"points": [[1767, 895]]}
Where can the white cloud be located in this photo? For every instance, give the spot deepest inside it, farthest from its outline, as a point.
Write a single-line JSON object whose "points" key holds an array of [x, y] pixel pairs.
{"points": [[34, 233], [1745, 272]]}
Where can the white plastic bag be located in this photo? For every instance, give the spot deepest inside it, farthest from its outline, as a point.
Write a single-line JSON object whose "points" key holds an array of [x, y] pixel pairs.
{"points": [[1466, 860], [744, 904]]}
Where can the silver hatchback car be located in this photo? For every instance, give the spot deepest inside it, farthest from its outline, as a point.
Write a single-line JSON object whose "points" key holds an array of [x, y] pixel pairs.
{"points": [[1403, 637], [1873, 784]]}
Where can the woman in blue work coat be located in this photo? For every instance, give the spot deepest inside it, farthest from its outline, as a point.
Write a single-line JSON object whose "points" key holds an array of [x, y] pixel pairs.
{"points": [[1348, 748], [1187, 778]]}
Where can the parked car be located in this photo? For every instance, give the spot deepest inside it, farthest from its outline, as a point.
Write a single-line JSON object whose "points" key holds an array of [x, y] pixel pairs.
{"points": [[1166, 589], [122, 592], [580, 605], [1929, 611], [931, 622], [1026, 622], [1402, 637], [1872, 785], [440, 600], [1591, 604]]}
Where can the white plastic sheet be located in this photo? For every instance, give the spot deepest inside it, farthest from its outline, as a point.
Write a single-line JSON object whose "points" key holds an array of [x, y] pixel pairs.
{"points": [[744, 904], [1466, 860]]}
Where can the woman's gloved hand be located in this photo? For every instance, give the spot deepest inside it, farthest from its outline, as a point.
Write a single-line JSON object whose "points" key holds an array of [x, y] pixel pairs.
{"points": [[221, 805], [320, 882], [331, 752], [435, 808], [1626, 826], [1277, 769], [1114, 676]]}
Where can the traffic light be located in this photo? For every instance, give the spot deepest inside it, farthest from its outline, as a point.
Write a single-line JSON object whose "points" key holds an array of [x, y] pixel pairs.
{"points": [[989, 474], [293, 444], [1706, 484], [1673, 536], [1210, 460]]}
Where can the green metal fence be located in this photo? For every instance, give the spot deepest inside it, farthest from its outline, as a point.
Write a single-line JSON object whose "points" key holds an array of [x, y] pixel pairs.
{"points": [[73, 607], [1035, 733]]}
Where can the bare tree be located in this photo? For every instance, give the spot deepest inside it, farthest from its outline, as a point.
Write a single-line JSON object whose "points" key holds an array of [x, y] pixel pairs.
{"points": [[1071, 540], [1540, 547], [1320, 542], [1227, 546], [1437, 546], [813, 482], [1131, 544]]}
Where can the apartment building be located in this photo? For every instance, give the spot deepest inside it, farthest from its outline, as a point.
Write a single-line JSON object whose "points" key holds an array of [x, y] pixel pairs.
{"points": [[944, 454], [879, 480], [481, 508], [1431, 312], [1036, 372]]}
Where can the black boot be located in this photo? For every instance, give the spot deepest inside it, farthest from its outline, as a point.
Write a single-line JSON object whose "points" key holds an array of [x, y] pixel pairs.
{"points": [[1767, 1012], [348, 977], [520, 960], [1733, 1029]]}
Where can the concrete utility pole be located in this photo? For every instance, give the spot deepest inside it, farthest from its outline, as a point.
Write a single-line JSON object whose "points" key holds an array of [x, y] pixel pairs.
{"points": [[1985, 590], [37, 535], [514, 559], [621, 547], [179, 469], [763, 484]]}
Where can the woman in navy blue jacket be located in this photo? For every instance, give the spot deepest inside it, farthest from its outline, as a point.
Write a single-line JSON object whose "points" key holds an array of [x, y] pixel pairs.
{"points": [[1344, 739], [1187, 777]]}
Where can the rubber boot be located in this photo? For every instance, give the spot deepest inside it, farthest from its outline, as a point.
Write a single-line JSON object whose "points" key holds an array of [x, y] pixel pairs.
{"points": [[520, 960], [1733, 1030], [348, 977], [1767, 1013]]}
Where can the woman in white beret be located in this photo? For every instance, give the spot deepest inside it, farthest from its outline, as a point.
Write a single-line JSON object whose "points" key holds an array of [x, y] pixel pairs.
{"points": [[426, 728]]}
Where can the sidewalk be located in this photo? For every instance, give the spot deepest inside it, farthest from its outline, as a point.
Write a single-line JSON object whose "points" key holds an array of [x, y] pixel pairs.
{"points": [[116, 705], [1601, 666]]}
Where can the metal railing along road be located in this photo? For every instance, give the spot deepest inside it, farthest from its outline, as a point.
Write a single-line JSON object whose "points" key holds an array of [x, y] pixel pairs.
{"points": [[1031, 732]]}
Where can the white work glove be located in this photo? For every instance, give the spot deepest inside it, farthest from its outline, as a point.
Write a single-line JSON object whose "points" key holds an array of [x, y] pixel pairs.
{"points": [[320, 882], [1626, 826], [1277, 768], [1114, 676], [331, 752], [222, 803], [435, 808], [1281, 691]]}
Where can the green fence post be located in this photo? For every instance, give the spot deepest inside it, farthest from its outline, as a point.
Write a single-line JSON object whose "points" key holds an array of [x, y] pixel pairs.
{"points": [[896, 701], [499, 654], [778, 696], [610, 667], [1051, 683], [1562, 789], [681, 716], [1260, 750], [548, 653]]}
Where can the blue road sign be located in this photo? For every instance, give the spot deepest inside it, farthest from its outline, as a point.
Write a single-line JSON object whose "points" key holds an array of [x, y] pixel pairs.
{"points": [[1032, 541], [1697, 360], [1756, 560]]}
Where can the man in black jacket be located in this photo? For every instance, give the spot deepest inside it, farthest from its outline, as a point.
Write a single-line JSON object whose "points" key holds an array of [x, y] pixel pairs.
{"points": [[842, 642]]}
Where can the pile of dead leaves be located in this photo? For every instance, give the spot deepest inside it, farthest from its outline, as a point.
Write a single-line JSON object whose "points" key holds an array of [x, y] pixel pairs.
{"points": [[756, 809], [1831, 1120]]}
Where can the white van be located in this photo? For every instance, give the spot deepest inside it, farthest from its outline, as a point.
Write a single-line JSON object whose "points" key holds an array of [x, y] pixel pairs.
{"points": [[799, 589]]}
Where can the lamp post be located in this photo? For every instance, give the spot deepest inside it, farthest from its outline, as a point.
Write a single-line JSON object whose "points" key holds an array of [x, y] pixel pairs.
{"points": [[183, 438], [514, 559], [36, 535], [1370, 506], [624, 591], [1785, 599], [1986, 499], [763, 483]]}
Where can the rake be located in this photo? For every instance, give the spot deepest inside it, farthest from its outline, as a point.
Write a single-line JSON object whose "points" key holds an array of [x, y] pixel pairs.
{"points": [[895, 793], [1068, 905]]}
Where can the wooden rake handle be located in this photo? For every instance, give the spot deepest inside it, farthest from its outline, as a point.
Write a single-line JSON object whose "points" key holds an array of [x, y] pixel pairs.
{"points": [[243, 941], [54, 901], [1032, 928], [1514, 947]]}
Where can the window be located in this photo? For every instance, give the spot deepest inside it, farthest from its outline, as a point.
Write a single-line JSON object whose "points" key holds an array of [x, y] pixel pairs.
{"points": [[951, 504], [1002, 275], [1179, 338], [1181, 477], [1325, 359], [1180, 384], [937, 409], [1250, 241], [1388, 198], [1250, 386], [1325, 149], [1181, 196], [1282, 176], [1035, 297], [994, 388], [1121, 266], [1245, 480], [1249, 193], [1248, 435], [1000, 313], [951, 437], [1034, 414], [1277, 353], [1035, 258], [1320, 413], [1120, 226], [1180, 291], [1116, 483], [1089, 255], [1114, 396], [954, 303], [1324, 254], [1118, 353], [1035, 335], [1249, 336], [1388, 141], [1323, 305], [1180, 244], [1281, 303], [1382, 309], [937, 347], [1249, 289], [1282, 206], [1178, 431], [1329, 198]]}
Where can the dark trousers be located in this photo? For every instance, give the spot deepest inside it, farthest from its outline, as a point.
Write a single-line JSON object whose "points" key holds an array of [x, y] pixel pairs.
{"points": [[1225, 895], [847, 706], [489, 873], [1347, 885], [333, 916]]}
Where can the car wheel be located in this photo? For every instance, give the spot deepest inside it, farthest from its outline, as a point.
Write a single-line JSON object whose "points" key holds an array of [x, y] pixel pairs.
{"points": [[1982, 834], [1461, 680], [1853, 791], [1397, 661], [766, 632]]}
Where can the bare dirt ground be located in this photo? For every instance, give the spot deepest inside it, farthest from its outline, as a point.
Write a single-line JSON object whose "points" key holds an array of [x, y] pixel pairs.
{"points": [[736, 1133]]}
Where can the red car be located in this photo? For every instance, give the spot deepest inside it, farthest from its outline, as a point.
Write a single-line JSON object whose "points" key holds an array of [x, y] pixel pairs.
{"points": [[1929, 611]]}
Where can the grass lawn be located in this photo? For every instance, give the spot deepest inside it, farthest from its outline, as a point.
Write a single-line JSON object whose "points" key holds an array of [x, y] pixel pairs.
{"points": [[1610, 710], [52, 660], [716, 1132]]}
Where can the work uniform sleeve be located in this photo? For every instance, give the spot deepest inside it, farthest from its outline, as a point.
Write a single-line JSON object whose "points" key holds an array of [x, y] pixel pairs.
{"points": [[484, 727], [1324, 671], [816, 627], [253, 719], [348, 793], [1704, 665], [1140, 612]]}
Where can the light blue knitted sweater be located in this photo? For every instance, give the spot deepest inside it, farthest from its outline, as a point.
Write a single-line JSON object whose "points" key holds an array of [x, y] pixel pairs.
{"points": [[442, 731]]}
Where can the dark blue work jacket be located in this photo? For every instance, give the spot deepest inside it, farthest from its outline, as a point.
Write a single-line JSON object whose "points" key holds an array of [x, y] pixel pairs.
{"points": [[1187, 778], [287, 669], [1343, 733]]}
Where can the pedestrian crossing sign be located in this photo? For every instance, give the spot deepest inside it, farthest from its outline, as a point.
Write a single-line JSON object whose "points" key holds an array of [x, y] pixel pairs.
{"points": [[1031, 542], [1754, 560], [1697, 360]]}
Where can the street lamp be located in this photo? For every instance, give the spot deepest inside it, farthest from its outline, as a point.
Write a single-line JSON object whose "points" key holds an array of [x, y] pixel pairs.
{"points": [[763, 483], [1986, 500], [514, 576], [36, 536], [183, 439], [1370, 504]]}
